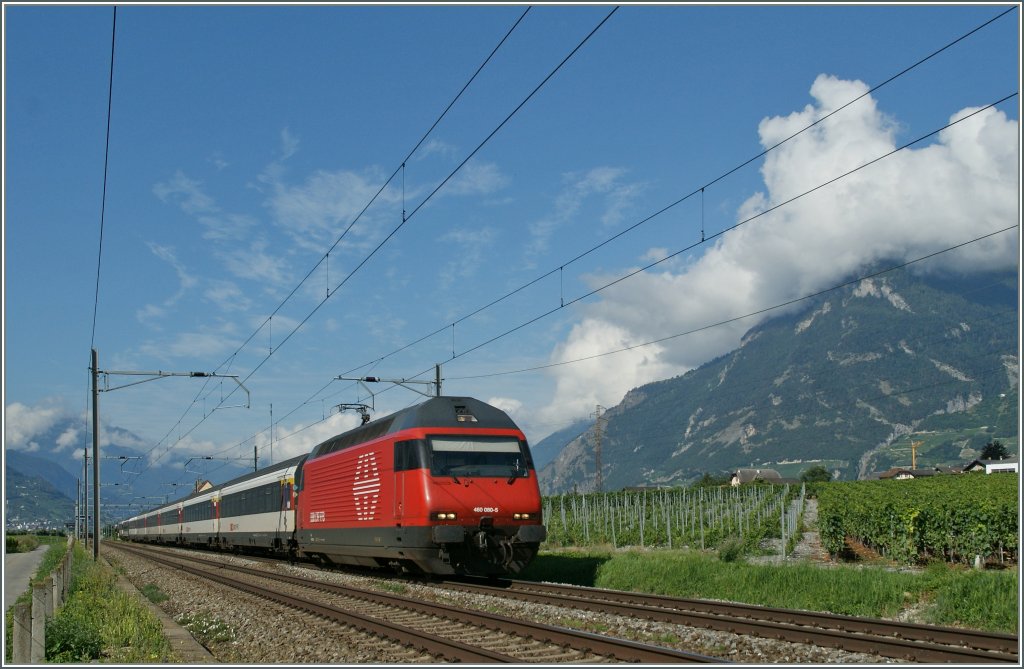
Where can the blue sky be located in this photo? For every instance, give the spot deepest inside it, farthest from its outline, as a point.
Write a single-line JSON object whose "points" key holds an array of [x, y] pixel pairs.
{"points": [[245, 140]]}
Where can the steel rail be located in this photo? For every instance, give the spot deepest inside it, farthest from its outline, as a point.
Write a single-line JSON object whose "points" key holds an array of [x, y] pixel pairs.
{"points": [[923, 643], [438, 647], [586, 642], [953, 636]]}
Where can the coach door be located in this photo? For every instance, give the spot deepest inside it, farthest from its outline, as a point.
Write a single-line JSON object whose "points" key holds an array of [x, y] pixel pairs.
{"points": [[406, 462]]}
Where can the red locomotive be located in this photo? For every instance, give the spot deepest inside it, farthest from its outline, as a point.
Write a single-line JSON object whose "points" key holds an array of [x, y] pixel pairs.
{"points": [[444, 487]]}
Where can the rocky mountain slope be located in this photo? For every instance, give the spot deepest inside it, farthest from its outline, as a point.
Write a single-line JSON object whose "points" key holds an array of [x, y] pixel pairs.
{"points": [[843, 381]]}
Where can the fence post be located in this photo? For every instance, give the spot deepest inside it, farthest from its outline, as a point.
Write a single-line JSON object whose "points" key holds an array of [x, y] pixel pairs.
{"points": [[48, 596], [782, 524], [22, 647], [37, 655], [58, 588]]}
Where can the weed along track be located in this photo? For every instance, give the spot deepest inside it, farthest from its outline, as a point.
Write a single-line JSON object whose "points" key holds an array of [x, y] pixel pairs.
{"points": [[440, 631], [906, 641], [524, 621]]}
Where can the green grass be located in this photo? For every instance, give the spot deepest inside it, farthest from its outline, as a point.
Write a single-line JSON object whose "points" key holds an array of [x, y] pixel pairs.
{"points": [[53, 557], [154, 593], [102, 622], [98, 622], [945, 595]]}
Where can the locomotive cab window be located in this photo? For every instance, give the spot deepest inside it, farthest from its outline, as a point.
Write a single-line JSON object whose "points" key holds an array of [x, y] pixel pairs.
{"points": [[478, 456]]}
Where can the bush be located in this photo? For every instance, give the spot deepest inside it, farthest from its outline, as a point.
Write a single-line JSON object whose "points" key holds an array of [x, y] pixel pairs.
{"points": [[731, 550], [154, 593], [73, 635]]}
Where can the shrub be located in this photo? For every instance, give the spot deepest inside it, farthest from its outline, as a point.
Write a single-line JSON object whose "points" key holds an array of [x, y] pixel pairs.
{"points": [[73, 635], [731, 550], [154, 594]]}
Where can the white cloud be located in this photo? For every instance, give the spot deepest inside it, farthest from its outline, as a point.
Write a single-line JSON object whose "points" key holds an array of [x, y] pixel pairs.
{"points": [[435, 147], [256, 264], [915, 202], [227, 296], [227, 227], [24, 423], [69, 439], [513, 407], [298, 439], [191, 346], [316, 213], [217, 160], [186, 281], [289, 144], [605, 182], [476, 179], [186, 193], [603, 380], [472, 246]]}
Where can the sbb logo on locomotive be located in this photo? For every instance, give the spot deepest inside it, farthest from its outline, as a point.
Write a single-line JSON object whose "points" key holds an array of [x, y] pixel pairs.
{"points": [[317, 516]]}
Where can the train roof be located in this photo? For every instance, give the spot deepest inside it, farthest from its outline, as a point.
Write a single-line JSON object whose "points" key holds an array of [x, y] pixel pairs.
{"points": [[284, 464], [452, 412]]}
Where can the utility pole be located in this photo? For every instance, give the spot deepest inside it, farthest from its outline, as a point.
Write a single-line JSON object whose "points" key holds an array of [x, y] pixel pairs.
{"points": [[95, 457], [85, 496], [598, 427], [94, 368], [913, 453]]}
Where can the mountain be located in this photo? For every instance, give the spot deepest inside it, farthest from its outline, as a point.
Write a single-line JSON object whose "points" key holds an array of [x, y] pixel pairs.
{"points": [[32, 466], [846, 383], [548, 448], [41, 486], [32, 501]]}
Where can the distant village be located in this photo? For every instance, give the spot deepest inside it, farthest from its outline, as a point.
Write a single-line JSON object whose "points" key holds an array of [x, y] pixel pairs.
{"points": [[1006, 465]]}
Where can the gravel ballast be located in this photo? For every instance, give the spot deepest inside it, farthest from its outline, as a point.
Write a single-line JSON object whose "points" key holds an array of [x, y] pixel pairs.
{"points": [[240, 628]]}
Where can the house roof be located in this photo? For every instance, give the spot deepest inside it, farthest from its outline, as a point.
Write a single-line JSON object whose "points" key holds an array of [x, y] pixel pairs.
{"points": [[988, 463]]}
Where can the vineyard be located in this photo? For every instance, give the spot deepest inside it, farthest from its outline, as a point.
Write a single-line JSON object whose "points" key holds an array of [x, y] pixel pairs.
{"points": [[956, 518], [703, 517]]}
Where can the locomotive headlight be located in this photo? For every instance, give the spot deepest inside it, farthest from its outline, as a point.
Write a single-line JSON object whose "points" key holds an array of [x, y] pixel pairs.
{"points": [[443, 515], [521, 516]]}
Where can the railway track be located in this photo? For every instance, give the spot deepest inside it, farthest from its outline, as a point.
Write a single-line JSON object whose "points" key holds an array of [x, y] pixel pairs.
{"points": [[906, 641], [446, 632]]}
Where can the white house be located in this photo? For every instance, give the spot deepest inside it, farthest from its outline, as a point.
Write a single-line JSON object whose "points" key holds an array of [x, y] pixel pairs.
{"points": [[994, 466]]}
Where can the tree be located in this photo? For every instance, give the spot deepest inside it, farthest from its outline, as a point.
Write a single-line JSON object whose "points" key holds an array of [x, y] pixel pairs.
{"points": [[994, 450], [816, 474], [710, 480]]}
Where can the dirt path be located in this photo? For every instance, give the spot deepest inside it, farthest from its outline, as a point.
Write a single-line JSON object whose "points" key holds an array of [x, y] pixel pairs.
{"points": [[808, 548]]}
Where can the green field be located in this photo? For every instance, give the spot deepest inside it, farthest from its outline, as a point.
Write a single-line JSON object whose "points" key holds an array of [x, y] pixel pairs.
{"points": [[940, 594]]}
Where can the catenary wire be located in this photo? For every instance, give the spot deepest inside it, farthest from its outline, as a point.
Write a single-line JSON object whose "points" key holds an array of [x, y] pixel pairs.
{"points": [[230, 358], [699, 190], [781, 305], [744, 316], [712, 237], [379, 246], [666, 208], [725, 230], [623, 232]]}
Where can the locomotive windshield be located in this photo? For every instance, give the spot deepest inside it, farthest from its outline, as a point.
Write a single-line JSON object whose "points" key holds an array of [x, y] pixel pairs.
{"points": [[478, 456]]}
